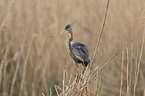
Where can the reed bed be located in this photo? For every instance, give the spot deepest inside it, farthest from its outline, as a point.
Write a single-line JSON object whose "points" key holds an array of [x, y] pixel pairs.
{"points": [[32, 64]]}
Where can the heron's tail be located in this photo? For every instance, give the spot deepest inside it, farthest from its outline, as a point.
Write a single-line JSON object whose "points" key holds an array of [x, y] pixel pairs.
{"points": [[87, 61]]}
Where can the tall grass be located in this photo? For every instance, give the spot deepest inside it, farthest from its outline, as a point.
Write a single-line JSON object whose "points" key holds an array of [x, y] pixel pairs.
{"points": [[38, 65]]}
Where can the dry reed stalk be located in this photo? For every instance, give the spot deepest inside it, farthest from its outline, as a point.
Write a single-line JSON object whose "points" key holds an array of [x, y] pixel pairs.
{"points": [[34, 78], [5, 65], [44, 80], [50, 92], [5, 76], [138, 67], [97, 80], [141, 20], [127, 94], [142, 12], [17, 67], [93, 72], [25, 65], [144, 92], [63, 80], [108, 61], [121, 84], [132, 60], [69, 81], [55, 86], [99, 38], [43, 94], [1, 68], [98, 93], [4, 61]]}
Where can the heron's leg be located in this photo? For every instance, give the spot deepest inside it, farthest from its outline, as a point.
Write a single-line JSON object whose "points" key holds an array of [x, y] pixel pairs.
{"points": [[84, 68]]}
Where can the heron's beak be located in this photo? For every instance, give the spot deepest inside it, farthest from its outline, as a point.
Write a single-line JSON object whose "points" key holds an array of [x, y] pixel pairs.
{"points": [[64, 31]]}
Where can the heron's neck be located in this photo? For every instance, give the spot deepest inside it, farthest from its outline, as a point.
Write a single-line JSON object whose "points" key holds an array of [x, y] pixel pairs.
{"points": [[70, 36]]}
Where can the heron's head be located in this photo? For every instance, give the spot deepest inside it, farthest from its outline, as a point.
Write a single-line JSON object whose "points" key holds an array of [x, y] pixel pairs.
{"points": [[66, 29]]}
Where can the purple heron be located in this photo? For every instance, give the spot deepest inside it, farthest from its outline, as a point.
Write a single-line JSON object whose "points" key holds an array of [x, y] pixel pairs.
{"points": [[78, 51]]}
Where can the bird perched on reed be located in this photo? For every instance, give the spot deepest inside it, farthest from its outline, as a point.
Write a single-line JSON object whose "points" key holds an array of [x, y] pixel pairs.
{"points": [[78, 51]]}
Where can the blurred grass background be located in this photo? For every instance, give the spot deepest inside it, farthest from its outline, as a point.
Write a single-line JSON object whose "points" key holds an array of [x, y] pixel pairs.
{"points": [[43, 59]]}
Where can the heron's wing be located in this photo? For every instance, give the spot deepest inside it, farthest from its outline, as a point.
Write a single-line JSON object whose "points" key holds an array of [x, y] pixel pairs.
{"points": [[80, 50], [83, 50]]}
